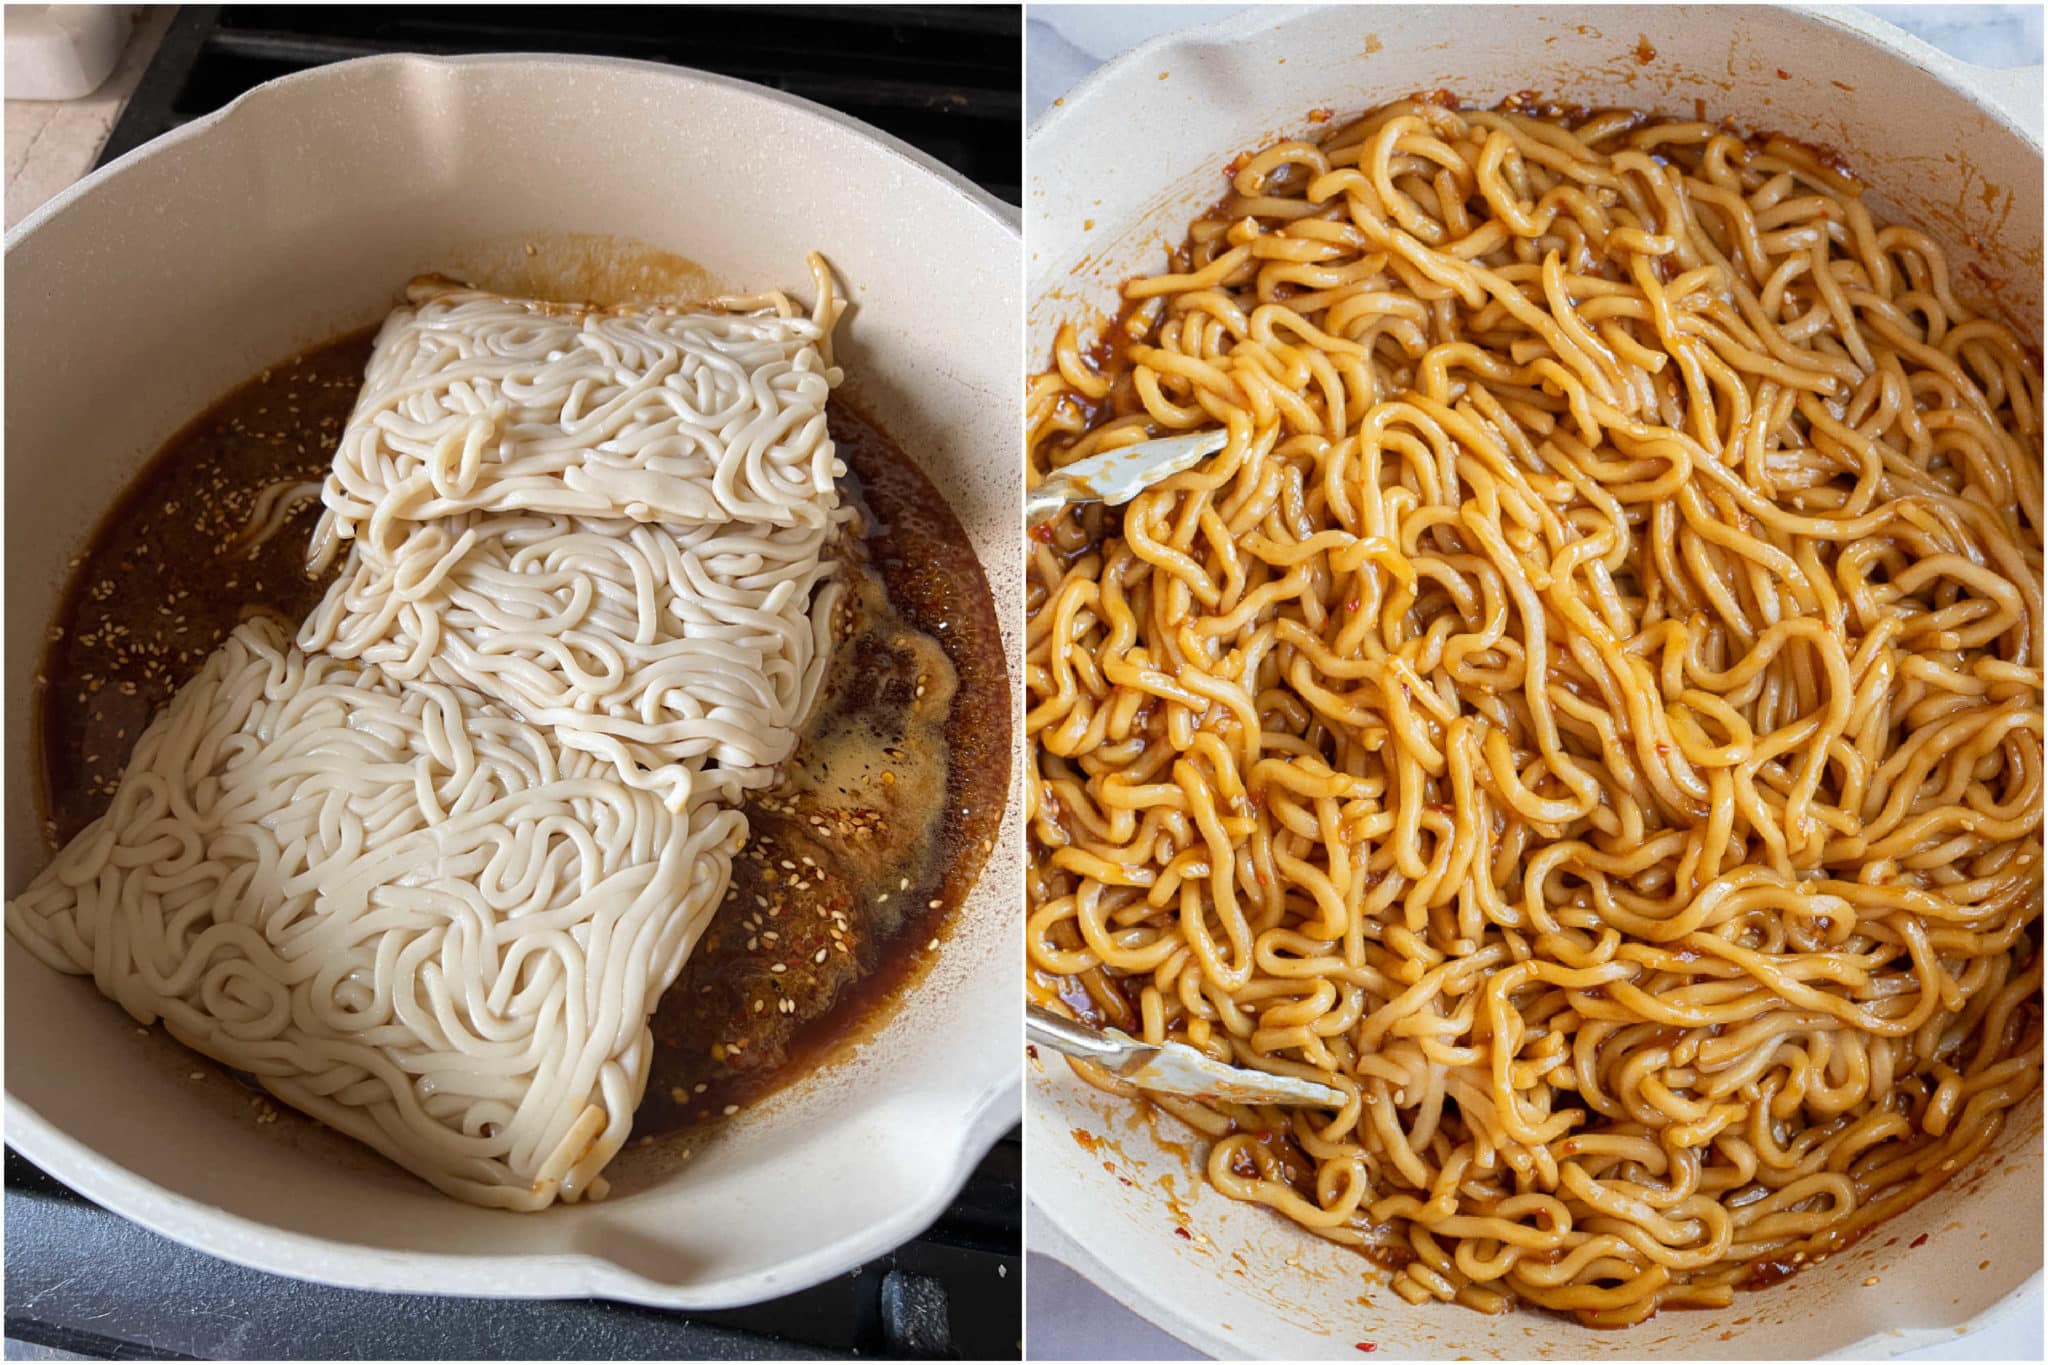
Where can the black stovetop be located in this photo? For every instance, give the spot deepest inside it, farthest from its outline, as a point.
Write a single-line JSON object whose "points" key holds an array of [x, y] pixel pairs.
{"points": [[87, 1283], [81, 1281]]}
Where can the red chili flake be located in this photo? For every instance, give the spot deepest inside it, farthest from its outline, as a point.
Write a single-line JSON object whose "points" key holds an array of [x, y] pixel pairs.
{"points": [[1662, 748], [1783, 74], [1262, 1136], [1351, 605], [1366, 1346], [1183, 1234], [1042, 533], [1921, 1240], [1320, 115], [1031, 1051]]}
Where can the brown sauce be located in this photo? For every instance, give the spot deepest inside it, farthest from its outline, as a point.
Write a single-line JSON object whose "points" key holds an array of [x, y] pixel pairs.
{"points": [[893, 797], [881, 821], [163, 581]]}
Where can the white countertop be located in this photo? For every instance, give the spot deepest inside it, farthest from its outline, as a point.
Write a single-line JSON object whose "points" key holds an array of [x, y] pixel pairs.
{"points": [[51, 143], [1068, 1318], [1063, 43]]}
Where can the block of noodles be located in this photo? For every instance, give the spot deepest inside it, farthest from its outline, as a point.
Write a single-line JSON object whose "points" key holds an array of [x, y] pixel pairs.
{"points": [[479, 402], [398, 907], [686, 657], [615, 522]]}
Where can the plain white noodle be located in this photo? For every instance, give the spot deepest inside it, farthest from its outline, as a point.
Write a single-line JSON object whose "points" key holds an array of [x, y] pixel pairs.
{"points": [[425, 872]]}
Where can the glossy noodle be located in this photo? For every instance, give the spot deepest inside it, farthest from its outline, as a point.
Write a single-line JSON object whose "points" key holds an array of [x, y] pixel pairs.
{"points": [[1590, 713]]}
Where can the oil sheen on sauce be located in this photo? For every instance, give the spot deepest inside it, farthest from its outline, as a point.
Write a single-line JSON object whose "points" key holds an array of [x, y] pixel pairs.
{"points": [[857, 857]]}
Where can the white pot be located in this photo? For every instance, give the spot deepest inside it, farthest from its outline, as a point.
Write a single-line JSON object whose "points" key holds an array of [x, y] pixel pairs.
{"points": [[1116, 171], [146, 292]]}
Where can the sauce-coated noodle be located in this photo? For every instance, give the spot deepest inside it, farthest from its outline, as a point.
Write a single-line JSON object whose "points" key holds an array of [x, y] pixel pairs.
{"points": [[1590, 712]]}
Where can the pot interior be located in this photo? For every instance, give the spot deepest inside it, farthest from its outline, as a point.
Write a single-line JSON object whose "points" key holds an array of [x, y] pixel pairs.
{"points": [[1116, 173], [1122, 165], [298, 215]]}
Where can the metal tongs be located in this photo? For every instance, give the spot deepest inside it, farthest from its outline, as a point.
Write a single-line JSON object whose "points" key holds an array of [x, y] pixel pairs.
{"points": [[1117, 476], [1171, 1068]]}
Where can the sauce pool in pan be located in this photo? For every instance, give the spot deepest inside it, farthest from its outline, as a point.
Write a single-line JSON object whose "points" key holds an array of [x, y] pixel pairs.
{"points": [[855, 859], [882, 819]]}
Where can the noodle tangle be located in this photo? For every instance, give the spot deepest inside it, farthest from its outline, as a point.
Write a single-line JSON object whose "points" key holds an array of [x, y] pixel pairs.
{"points": [[1590, 713]]}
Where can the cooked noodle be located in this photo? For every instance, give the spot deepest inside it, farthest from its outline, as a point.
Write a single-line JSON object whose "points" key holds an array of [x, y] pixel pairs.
{"points": [[1589, 713]]}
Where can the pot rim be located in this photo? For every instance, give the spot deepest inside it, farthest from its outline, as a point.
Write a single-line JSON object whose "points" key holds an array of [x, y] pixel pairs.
{"points": [[981, 1118], [2012, 97], [2009, 95], [256, 97]]}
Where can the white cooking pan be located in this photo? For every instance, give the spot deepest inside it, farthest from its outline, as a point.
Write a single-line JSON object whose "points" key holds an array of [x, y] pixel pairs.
{"points": [[1115, 173], [148, 291]]}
